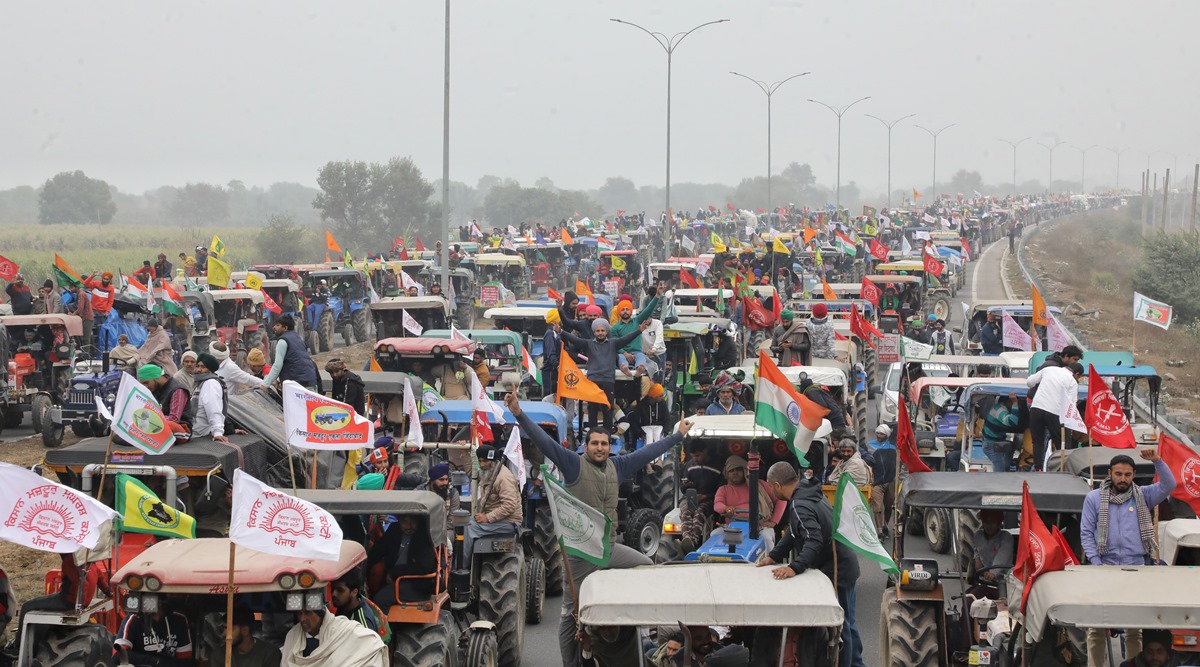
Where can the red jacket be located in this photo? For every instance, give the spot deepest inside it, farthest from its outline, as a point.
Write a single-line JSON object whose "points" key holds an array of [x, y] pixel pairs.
{"points": [[102, 296]]}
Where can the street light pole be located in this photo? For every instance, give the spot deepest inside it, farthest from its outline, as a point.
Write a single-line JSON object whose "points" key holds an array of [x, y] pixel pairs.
{"points": [[668, 45], [769, 90], [1083, 166], [1117, 152], [839, 112], [889, 127], [1057, 143], [444, 256], [935, 136], [1014, 145]]}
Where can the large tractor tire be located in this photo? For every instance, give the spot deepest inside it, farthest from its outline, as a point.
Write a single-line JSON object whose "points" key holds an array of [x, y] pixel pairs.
{"points": [[643, 531], [870, 361], [13, 417], [416, 463], [361, 321], [502, 602], [545, 547], [347, 334], [658, 487], [483, 650], [915, 524], [941, 308], [325, 327], [82, 429], [88, 645], [939, 529], [39, 411], [861, 428], [908, 632], [535, 590], [426, 645], [464, 317], [968, 523], [669, 550]]}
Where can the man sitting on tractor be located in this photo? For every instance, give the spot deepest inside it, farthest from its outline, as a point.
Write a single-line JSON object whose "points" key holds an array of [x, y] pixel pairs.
{"points": [[159, 638], [350, 602], [247, 651], [499, 511], [124, 353], [404, 551], [321, 639], [994, 548], [733, 501]]}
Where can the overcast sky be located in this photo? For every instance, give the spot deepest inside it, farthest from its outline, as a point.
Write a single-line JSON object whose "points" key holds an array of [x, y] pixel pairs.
{"points": [[143, 94]]}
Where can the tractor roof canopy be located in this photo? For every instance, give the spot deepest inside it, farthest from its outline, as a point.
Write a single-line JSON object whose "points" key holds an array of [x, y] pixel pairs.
{"points": [[425, 504], [72, 323], [1051, 491]]}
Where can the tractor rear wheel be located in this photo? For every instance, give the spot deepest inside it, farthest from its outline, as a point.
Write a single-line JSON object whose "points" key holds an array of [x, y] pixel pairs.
{"points": [[908, 632], [535, 590], [88, 645], [658, 488], [361, 323], [325, 331], [938, 529], [545, 548], [860, 417], [13, 417], [426, 645], [482, 649], [968, 523], [502, 602], [643, 531], [348, 334]]}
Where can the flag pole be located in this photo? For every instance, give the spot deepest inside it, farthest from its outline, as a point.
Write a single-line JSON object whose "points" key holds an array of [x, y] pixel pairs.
{"points": [[104, 470], [312, 483], [1062, 452], [229, 606], [566, 561]]}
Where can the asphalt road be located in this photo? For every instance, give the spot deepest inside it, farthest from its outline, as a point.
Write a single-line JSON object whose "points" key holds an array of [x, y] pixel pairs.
{"points": [[983, 282]]}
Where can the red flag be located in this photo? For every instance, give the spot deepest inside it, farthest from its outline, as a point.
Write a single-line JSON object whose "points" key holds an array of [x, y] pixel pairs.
{"points": [[621, 212], [687, 279], [860, 327], [966, 246], [8, 268], [754, 315], [403, 253], [878, 251], [1105, 419], [1037, 550], [712, 208], [777, 306], [420, 246], [1064, 548], [729, 206], [553, 294], [869, 291], [760, 210], [838, 336], [906, 441], [396, 243], [482, 428], [270, 304], [1184, 463], [932, 265]]}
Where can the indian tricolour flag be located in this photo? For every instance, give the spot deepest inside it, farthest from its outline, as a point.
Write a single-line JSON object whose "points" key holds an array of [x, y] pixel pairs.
{"points": [[530, 366], [844, 244], [135, 289], [854, 525], [783, 411], [606, 243], [172, 303]]}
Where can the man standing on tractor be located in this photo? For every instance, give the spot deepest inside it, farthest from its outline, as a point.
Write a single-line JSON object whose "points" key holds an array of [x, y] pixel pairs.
{"points": [[594, 478], [940, 339], [991, 338], [101, 292], [19, 296], [632, 353], [499, 511], [348, 387], [791, 342], [291, 357], [602, 353]]}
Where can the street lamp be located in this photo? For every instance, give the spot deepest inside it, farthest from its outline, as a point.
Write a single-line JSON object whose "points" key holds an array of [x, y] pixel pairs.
{"points": [[769, 90], [668, 45], [1117, 152], [935, 136], [889, 127], [1083, 166], [444, 257], [1014, 145], [1057, 143], [839, 112]]}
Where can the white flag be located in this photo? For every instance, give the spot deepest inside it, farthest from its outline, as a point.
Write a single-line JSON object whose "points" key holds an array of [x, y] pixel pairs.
{"points": [[1146, 309], [408, 282], [1071, 418], [410, 324], [854, 525], [702, 269], [1056, 333], [276, 523], [415, 434], [905, 246], [453, 298], [582, 530], [1014, 335], [313, 421], [515, 456], [481, 403], [914, 350], [687, 244], [138, 418], [45, 515]]}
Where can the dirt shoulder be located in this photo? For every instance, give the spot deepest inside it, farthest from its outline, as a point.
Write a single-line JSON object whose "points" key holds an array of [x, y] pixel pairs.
{"points": [[1085, 265]]}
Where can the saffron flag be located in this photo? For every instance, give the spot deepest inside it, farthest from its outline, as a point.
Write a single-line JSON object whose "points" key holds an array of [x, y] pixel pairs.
{"points": [[313, 421], [572, 383], [1039, 308], [917, 195], [553, 294], [582, 530], [854, 525], [869, 291], [1184, 463], [219, 273], [827, 291], [1037, 550], [785, 412], [1104, 416], [217, 247], [879, 251], [45, 515], [144, 512], [566, 237], [809, 235], [64, 274], [138, 419], [906, 440], [276, 523], [581, 288], [330, 244], [1153, 312], [8, 268]]}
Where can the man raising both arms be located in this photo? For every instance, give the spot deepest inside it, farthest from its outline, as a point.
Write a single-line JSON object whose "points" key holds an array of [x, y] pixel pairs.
{"points": [[594, 477]]}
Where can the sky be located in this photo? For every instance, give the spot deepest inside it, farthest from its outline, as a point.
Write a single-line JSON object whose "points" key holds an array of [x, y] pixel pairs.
{"points": [[145, 94]]}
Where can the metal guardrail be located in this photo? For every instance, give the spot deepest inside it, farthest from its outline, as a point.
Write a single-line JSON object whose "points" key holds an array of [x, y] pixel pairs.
{"points": [[1140, 402]]}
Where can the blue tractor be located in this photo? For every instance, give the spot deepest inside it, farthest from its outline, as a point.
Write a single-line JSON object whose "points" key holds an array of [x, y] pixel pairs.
{"points": [[339, 301], [93, 378]]}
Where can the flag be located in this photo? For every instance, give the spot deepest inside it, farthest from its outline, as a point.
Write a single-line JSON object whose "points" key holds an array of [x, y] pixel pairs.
{"points": [[581, 289], [809, 235], [8, 268], [1064, 547], [917, 195], [47, 516], [219, 273], [135, 289], [717, 244], [572, 383], [171, 301], [276, 523], [913, 350], [618, 264], [755, 315], [932, 265], [455, 334], [687, 244], [1104, 416], [603, 242], [827, 291], [1056, 334], [429, 397], [566, 237], [330, 244], [217, 247], [252, 281], [483, 429], [693, 362], [778, 246], [844, 244], [862, 328], [553, 294], [906, 440], [1037, 550], [854, 525], [420, 247], [64, 274], [869, 291], [905, 246], [783, 411], [530, 366], [143, 512], [313, 421], [347, 260], [540, 239], [270, 305], [1151, 311], [869, 211], [1184, 463], [480, 401], [583, 531], [1039, 308], [507, 244], [138, 419], [966, 246], [415, 435], [1014, 335], [879, 251], [870, 229], [410, 324], [515, 456], [729, 207], [687, 279], [817, 256]]}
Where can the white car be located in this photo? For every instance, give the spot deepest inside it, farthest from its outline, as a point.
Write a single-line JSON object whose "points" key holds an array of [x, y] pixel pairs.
{"points": [[890, 387]]}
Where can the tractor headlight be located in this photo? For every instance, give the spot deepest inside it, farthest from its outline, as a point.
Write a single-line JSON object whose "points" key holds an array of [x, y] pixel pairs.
{"points": [[132, 603], [150, 604], [294, 601], [314, 600], [110, 398]]}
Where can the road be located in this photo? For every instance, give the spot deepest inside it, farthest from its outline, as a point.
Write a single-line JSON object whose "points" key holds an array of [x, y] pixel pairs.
{"points": [[983, 282]]}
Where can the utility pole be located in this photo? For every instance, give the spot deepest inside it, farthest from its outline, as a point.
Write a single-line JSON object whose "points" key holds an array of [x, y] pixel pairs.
{"points": [[1195, 186], [1014, 145], [444, 255], [769, 90], [935, 136], [839, 112], [1057, 143], [889, 127], [1166, 191], [1145, 199]]}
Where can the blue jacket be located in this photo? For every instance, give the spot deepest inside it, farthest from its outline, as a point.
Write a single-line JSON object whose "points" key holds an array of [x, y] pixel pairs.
{"points": [[1124, 538], [991, 339], [568, 462]]}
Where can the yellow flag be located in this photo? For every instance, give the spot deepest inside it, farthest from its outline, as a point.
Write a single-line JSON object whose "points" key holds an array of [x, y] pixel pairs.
{"points": [[144, 513], [717, 244], [817, 256], [778, 246], [219, 273], [1039, 309], [252, 281], [693, 363], [618, 264], [218, 246]]}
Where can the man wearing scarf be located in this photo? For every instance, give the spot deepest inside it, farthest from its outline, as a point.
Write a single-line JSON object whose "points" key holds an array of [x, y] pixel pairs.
{"points": [[1117, 528], [791, 342]]}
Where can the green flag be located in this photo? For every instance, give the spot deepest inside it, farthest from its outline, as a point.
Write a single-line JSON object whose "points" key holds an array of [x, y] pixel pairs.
{"points": [[583, 531], [143, 512], [854, 525]]}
